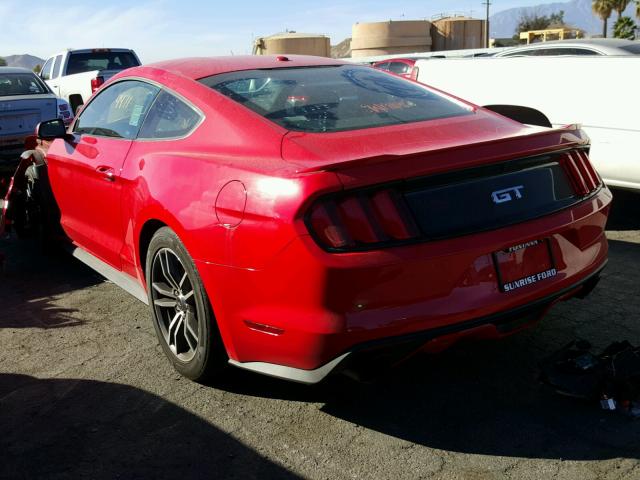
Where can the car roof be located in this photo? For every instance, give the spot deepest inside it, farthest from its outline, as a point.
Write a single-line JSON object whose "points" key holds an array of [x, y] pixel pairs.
{"points": [[201, 67], [404, 59], [598, 43], [15, 70]]}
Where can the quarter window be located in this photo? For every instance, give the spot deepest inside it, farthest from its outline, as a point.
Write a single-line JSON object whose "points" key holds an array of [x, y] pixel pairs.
{"points": [[118, 111], [169, 117]]}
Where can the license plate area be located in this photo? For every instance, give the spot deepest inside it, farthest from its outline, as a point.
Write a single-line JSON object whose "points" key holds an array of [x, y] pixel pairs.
{"points": [[524, 265], [19, 124]]}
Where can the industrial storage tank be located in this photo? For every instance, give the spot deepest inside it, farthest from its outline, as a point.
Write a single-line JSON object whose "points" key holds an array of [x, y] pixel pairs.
{"points": [[387, 38], [293, 43], [457, 33]]}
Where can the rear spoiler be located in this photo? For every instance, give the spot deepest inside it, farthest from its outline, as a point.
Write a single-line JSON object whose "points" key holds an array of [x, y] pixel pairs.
{"points": [[570, 135]]}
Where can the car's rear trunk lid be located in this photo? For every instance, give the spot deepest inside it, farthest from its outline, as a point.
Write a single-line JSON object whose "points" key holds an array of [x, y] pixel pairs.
{"points": [[459, 179], [411, 150], [19, 115]]}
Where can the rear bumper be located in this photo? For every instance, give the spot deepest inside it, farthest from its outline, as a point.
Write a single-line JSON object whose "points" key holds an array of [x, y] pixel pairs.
{"points": [[308, 312], [377, 355]]}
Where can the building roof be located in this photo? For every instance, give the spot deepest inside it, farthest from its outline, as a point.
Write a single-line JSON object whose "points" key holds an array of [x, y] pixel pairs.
{"points": [[200, 67]]}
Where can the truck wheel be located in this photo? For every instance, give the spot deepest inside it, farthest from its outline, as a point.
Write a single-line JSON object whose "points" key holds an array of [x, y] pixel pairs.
{"points": [[181, 311]]}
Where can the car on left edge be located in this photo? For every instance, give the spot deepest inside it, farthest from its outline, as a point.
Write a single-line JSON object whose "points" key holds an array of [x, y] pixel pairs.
{"points": [[25, 101]]}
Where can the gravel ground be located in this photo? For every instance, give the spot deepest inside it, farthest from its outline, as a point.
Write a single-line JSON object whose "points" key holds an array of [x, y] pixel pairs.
{"points": [[85, 392]]}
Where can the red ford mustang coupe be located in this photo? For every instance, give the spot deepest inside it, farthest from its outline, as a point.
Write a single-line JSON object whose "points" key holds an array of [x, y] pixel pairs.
{"points": [[296, 216]]}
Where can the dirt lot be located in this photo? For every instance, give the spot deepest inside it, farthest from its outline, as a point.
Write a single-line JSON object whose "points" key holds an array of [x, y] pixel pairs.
{"points": [[86, 392]]}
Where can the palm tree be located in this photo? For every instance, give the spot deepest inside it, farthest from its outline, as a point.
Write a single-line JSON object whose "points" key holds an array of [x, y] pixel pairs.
{"points": [[603, 9], [620, 6]]}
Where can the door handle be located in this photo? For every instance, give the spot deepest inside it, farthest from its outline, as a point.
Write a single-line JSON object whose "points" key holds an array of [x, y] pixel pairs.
{"points": [[107, 173]]}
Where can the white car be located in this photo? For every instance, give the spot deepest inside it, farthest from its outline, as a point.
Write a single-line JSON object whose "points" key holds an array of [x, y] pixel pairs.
{"points": [[598, 92], [25, 101], [75, 74], [594, 46]]}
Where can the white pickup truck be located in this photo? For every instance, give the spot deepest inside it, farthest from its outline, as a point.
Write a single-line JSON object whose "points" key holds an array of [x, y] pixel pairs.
{"points": [[75, 74], [598, 92]]}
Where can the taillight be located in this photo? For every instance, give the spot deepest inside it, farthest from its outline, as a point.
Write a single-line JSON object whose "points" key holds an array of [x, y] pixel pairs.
{"points": [[584, 178], [361, 220], [96, 83], [64, 112]]}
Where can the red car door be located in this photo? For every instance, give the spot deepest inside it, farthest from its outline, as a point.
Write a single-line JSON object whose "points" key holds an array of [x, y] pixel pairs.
{"points": [[85, 170]]}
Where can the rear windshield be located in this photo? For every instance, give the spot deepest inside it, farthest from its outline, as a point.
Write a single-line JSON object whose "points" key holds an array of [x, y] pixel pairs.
{"points": [[86, 62], [20, 84], [635, 49], [331, 99]]}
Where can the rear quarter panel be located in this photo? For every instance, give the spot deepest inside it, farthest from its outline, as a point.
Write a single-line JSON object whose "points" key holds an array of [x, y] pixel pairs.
{"points": [[178, 182]]}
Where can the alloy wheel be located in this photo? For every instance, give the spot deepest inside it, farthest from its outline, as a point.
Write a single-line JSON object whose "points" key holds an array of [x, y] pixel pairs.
{"points": [[174, 303]]}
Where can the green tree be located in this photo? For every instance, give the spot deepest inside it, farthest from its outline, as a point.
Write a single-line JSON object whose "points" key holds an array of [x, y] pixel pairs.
{"points": [[535, 21], [37, 68], [625, 28], [556, 18], [3, 62], [620, 6], [603, 9]]}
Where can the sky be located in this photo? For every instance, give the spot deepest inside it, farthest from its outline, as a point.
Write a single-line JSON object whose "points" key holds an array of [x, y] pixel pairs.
{"points": [[164, 29]]}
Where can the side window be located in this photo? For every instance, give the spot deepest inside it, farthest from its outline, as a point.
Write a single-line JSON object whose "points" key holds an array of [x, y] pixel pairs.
{"points": [[117, 111], [398, 67], [169, 117], [56, 67], [554, 52], [581, 51], [383, 66], [46, 69]]}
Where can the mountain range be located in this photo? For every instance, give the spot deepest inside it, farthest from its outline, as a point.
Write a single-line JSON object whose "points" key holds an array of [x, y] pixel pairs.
{"points": [[24, 61], [577, 13]]}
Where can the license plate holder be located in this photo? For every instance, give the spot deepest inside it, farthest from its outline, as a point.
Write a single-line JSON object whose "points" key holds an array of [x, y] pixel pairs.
{"points": [[525, 264]]}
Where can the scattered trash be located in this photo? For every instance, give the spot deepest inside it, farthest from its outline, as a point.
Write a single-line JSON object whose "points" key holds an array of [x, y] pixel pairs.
{"points": [[611, 377]]}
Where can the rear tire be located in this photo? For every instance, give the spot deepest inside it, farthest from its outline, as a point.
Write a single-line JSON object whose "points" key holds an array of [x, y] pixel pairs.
{"points": [[181, 312], [37, 213]]}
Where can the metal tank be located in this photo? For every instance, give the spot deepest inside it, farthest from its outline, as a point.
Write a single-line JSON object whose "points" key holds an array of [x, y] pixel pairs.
{"points": [[386, 38], [457, 33], [293, 43]]}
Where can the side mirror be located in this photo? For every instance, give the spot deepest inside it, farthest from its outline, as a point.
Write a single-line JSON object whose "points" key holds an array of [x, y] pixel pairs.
{"points": [[51, 129]]}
